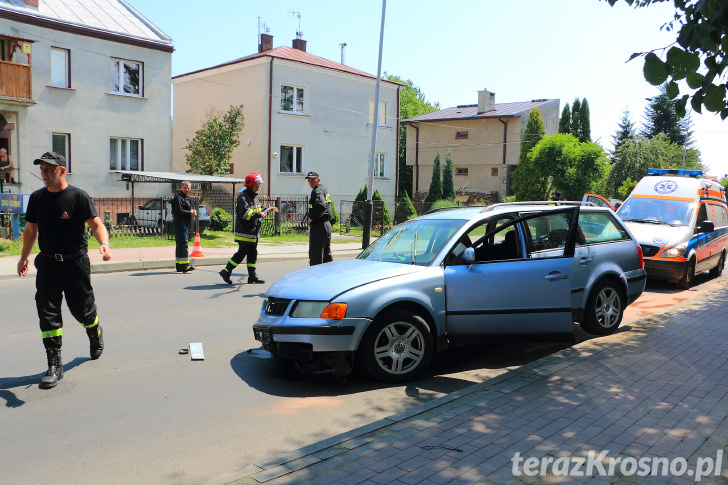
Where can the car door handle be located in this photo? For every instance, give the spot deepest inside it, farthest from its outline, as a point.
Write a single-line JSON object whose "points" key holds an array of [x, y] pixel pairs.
{"points": [[584, 261], [556, 276]]}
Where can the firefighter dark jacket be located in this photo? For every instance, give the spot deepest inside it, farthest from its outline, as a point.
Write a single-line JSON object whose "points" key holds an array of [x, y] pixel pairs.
{"points": [[248, 215]]}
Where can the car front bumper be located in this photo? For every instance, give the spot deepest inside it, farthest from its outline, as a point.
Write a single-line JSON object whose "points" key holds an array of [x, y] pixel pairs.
{"points": [[671, 271]]}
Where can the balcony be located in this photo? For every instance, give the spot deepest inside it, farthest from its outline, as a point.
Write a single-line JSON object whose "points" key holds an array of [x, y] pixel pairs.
{"points": [[16, 82]]}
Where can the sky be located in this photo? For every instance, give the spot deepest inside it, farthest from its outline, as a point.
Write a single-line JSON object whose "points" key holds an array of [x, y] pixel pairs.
{"points": [[518, 49]]}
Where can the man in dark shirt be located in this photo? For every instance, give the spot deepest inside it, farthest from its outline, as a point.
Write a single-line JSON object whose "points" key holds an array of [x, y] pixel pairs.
{"points": [[183, 213], [319, 221], [56, 217]]}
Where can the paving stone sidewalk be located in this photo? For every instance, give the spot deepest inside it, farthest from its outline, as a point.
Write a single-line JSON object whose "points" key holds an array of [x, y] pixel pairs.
{"points": [[653, 395]]}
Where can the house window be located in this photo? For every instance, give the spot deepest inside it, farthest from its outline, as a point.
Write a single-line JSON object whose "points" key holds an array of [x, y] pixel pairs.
{"points": [[126, 77], [380, 163], [291, 159], [494, 171], [461, 171], [125, 154], [60, 67], [61, 143], [292, 99], [461, 135], [382, 112]]}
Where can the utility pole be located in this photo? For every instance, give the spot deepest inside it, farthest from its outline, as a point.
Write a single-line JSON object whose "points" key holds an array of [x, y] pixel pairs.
{"points": [[375, 126]]}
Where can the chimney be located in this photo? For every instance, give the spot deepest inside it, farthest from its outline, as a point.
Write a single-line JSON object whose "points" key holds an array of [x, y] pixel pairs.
{"points": [[266, 42], [486, 101], [31, 3], [299, 44]]}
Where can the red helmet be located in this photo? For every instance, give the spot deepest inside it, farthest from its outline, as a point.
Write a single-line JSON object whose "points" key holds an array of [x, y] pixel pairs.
{"points": [[252, 178]]}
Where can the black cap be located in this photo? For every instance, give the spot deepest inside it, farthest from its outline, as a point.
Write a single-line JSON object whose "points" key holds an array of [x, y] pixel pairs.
{"points": [[51, 157], [312, 175]]}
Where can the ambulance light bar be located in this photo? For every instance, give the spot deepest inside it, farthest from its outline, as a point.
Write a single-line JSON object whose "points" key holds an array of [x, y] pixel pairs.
{"points": [[674, 171]]}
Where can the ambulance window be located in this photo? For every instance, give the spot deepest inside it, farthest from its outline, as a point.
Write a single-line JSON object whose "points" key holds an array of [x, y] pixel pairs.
{"points": [[717, 214], [702, 215]]}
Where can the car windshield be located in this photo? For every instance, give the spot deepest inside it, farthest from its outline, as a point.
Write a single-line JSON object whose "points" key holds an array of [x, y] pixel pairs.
{"points": [[657, 211], [415, 242]]}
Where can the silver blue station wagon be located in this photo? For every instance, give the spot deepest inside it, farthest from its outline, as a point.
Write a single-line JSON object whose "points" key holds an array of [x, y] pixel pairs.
{"points": [[456, 276]]}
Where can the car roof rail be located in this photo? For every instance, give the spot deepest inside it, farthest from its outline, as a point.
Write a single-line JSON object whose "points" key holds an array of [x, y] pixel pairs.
{"points": [[448, 208], [539, 202]]}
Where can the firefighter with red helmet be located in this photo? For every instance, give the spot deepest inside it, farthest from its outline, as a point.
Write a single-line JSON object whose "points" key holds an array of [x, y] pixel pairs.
{"points": [[248, 216]]}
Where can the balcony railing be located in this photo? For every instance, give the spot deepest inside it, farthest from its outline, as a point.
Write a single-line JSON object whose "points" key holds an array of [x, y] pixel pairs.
{"points": [[15, 80]]}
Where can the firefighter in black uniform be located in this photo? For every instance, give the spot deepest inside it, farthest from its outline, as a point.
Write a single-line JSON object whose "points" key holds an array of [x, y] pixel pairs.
{"points": [[319, 221], [55, 217], [248, 216], [183, 213]]}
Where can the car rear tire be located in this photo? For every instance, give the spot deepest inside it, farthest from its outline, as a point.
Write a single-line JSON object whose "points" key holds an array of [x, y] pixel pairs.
{"points": [[718, 269], [687, 280], [604, 310], [396, 347]]}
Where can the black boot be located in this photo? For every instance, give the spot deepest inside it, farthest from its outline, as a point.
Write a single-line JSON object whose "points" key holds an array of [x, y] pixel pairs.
{"points": [[96, 341], [225, 274], [188, 268], [55, 369], [252, 277]]}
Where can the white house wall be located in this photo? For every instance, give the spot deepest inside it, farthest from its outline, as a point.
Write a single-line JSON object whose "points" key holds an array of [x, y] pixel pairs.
{"points": [[90, 114]]}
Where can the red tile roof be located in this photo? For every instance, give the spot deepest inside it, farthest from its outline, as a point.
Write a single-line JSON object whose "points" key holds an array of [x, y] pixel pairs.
{"points": [[470, 111], [294, 55]]}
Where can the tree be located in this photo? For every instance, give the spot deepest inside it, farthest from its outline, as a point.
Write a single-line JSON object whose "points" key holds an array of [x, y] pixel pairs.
{"points": [[702, 35], [565, 121], [379, 212], [634, 156], [584, 123], [661, 116], [448, 184], [405, 210], [626, 130], [525, 182], [435, 192], [412, 103], [210, 150], [574, 167], [576, 119]]}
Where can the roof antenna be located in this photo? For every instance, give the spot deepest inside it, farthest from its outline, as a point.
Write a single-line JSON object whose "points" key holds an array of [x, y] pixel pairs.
{"points": [[297, 14]]}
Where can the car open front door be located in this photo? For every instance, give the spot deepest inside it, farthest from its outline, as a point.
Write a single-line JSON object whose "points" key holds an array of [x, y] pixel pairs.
{"points": [[526, 294]]}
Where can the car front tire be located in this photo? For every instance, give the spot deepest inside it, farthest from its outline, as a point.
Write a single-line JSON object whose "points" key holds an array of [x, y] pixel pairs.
{"points": [[605, 309], [397, 347], [718, 269], [687, 280]]}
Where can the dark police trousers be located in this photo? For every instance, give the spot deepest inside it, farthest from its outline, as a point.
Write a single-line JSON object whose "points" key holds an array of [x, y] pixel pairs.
{"points": [[319, 243], [72, 278], [181, 237]]}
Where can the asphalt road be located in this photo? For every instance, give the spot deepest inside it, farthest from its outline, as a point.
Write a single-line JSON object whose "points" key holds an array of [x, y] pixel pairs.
{"points": [[144, 413]]}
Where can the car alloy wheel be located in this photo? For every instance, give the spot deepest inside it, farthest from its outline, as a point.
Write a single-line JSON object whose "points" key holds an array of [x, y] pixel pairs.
{"points": [[397, 348], [605, 309]]}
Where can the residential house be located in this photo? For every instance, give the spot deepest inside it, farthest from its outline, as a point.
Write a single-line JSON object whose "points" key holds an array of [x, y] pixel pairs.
{"points": [[90, 80], [302, 113], [484, 138]]}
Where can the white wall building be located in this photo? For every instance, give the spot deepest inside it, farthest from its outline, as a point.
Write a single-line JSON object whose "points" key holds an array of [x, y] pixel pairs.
{"points": [[302, 113], [90, 80]]}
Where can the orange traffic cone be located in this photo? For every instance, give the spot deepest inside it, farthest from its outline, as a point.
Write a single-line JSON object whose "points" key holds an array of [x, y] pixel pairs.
{"points": [[197, 248]]}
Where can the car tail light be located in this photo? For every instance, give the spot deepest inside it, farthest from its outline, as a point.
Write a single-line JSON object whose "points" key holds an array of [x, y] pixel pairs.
{"points": [[641, 257], [334, 311]]}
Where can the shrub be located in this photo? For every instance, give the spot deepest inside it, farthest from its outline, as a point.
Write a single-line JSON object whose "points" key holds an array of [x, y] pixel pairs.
{"points": [[405, 210], [220, 220]]}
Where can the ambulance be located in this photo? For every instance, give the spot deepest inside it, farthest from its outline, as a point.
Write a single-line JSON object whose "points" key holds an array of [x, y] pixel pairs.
{"points": [[681, 222]]}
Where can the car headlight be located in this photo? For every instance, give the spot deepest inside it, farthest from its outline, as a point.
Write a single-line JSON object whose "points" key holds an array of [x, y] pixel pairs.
{"points": [[673, 252], [319, 309]]}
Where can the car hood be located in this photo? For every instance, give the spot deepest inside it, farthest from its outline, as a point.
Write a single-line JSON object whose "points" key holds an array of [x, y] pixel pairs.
{"points": [[660, 235], [325, 281]]}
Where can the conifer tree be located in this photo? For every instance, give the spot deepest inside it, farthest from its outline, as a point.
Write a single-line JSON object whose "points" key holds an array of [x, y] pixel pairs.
{"points": [[576, 118], [435, 192], [565, 121], [626, 130], [448, 184], [405, 210], [584, 122], [528, 183]]}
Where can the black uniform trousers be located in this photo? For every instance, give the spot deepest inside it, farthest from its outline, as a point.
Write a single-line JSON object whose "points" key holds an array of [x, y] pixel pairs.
{"points": [[245, 248], [55, 279], [181, 238], [319, 243]]}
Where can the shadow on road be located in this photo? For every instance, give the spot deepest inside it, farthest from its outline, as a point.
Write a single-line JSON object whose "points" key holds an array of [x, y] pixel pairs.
{"points": [[6, 383]]}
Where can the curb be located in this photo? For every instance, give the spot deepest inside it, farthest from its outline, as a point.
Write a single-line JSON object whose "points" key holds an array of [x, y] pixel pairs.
{"points": [[318, 453]]}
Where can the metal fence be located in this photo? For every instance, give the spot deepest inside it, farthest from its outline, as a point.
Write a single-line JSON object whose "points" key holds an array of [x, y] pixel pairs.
{"points": [[147, 216], [351, 217], [292, 215]]}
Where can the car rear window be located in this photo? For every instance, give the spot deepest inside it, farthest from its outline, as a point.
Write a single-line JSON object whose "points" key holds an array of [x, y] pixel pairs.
{"points": [[599, 227]]}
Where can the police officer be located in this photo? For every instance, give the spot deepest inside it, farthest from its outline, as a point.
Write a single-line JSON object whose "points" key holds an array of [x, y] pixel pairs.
{"points": [[183, 213], [248, 216], [55, 217], [319, 221]]}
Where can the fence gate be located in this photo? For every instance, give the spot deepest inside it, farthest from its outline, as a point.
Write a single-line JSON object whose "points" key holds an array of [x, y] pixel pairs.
{"points": [[351, 218]]}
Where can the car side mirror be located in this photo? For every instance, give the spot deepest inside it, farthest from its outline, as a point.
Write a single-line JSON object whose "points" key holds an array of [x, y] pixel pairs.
{"points": [[469, 256], [706, 226]]}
